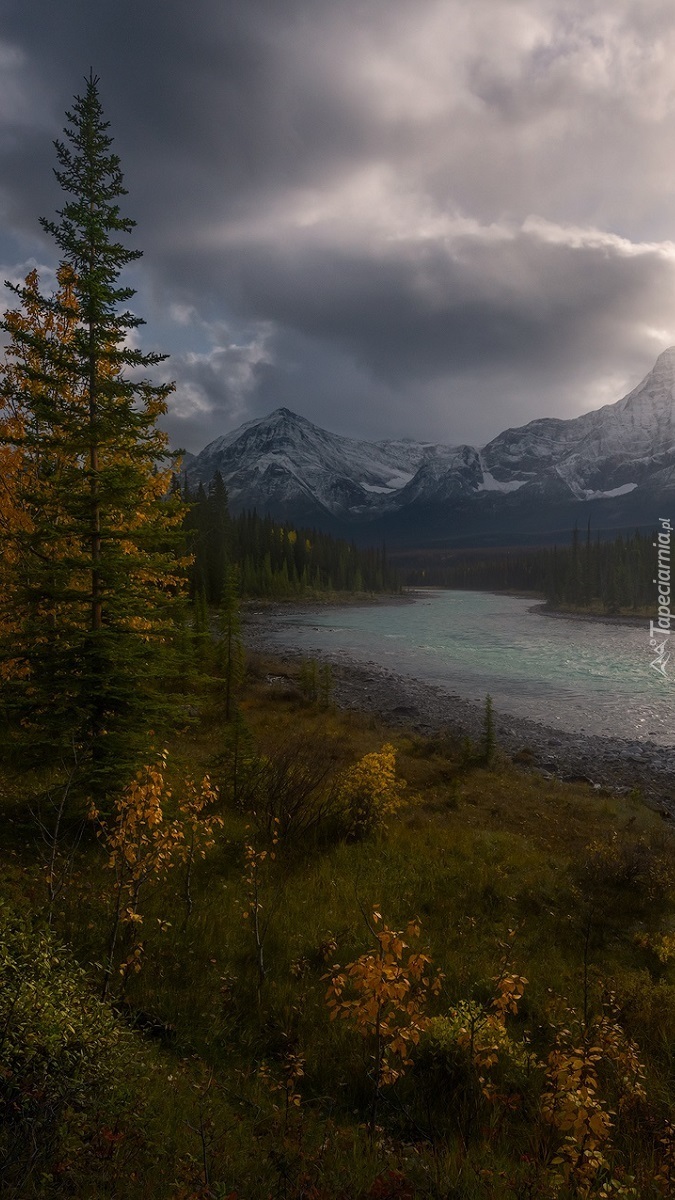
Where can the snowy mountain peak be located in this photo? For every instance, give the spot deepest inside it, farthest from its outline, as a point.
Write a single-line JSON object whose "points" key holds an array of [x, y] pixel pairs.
{"points": [[284, 417], [665, 363], [286, 414], [657, 389], [284, 464]]}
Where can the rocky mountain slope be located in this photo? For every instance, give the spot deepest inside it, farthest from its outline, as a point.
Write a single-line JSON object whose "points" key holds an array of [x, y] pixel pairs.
{"points": [[615, 464]]}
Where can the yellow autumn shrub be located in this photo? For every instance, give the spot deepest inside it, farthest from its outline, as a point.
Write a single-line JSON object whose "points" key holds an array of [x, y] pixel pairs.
{"points": [[370, 792]]}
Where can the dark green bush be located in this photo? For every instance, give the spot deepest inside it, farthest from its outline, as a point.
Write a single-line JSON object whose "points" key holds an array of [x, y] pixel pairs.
{"points": [[63, 1060]]}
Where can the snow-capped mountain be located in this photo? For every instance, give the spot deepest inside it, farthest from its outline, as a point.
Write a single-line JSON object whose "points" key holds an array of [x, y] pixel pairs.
{"points": [[615, 447], [614, 463], [283, 463]]}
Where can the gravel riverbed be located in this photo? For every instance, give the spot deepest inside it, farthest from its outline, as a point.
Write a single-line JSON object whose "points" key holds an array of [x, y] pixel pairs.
{"points": [[403, 702]]}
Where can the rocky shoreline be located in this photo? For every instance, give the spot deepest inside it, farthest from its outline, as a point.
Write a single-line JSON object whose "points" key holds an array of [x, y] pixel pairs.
{"points": [[615, 764], [601, 618]]}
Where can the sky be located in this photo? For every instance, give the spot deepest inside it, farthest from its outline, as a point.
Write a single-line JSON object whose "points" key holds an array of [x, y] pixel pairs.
{"points": [[400, 218]]}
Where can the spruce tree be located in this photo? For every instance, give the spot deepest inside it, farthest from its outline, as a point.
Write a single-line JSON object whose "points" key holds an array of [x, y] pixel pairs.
{"points": [[108, 620], [232, 647], [217, 539]]}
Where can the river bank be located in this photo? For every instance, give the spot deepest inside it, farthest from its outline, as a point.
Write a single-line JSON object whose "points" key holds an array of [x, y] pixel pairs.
{"points": [[315, 602], [542, 606], [640, 622], [403, 702]]}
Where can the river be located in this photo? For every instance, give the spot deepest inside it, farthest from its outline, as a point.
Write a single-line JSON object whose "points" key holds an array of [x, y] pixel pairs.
{"points": [[578, 676]]}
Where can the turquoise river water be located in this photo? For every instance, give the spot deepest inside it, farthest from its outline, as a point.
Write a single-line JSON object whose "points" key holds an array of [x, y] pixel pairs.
{"points": [[585, 676]]}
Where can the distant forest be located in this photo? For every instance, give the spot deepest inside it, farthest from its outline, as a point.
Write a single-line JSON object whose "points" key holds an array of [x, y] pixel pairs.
{"points": [[588, 574], [272, 559], [278, 560]]}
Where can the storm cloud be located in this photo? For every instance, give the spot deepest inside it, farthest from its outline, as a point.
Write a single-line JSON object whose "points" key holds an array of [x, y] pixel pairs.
{"points": [[435, 219]]}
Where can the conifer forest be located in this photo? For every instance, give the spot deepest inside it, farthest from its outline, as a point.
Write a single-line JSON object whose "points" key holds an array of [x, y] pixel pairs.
{"points": [[614, 576]]}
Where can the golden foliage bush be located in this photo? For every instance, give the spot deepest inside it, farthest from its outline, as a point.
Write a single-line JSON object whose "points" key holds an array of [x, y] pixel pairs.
{"points": [[370, 792], [384, 996], [143, 844]]}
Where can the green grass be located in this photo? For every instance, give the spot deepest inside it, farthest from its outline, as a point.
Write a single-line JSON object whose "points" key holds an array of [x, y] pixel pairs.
{"points": [[474, 853]]}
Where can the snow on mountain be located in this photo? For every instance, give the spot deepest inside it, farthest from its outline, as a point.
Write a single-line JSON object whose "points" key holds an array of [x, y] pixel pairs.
{"points": [[620, 491], [490, 484], [285, 464], [602, 450], [273, 460]]}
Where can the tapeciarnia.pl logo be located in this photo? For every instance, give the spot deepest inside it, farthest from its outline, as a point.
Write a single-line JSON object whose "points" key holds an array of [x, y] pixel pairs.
{"points": [[659, 631]]}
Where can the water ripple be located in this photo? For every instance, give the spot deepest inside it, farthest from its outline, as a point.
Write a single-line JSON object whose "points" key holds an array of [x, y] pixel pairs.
{"points": [[584, 676]]}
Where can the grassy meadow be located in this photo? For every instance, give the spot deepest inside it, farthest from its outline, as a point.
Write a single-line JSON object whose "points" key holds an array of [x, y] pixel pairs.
{"points": [[538, 1064]]}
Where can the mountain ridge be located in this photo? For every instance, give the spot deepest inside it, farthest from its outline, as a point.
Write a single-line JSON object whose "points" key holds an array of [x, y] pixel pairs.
{"points": [[619, 458]]}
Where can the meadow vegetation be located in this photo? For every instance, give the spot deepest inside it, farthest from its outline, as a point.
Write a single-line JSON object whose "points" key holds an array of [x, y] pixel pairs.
{"points": [[306, 956]]}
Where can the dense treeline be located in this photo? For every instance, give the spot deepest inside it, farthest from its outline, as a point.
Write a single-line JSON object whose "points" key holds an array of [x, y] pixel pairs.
{"points": [[588, 573], [272, 559]]}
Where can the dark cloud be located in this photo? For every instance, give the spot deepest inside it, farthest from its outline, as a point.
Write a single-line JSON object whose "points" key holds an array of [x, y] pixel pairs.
{"points": [[421, 311], [434, 219]]}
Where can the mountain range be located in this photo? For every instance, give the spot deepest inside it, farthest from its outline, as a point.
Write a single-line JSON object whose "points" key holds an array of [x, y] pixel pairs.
{"points": [[614, 465]]}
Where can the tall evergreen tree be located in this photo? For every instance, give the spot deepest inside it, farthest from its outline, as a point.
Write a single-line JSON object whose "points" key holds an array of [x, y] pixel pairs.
{"points": [[218, 531], [232, 648], [111, 604]]}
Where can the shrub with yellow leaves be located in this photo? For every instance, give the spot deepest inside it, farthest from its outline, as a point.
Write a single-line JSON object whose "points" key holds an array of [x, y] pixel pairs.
{"points": [[661, 944], [199, 824], [371, 792], [473, 1043], [384, 995], [572, 1104], [143, 844], [589, 1056]]}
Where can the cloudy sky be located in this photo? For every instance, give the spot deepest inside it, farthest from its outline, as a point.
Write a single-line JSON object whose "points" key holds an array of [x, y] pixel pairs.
{"points": [[424, 218]]}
